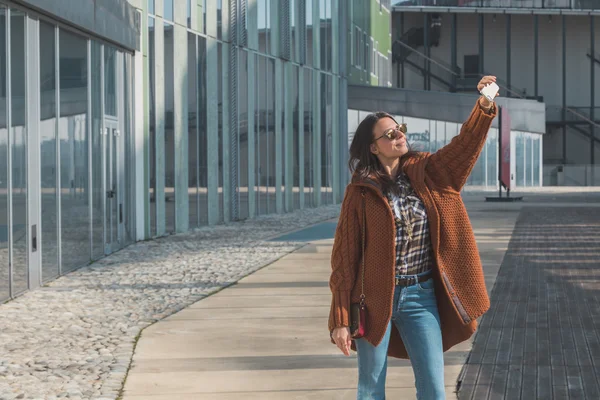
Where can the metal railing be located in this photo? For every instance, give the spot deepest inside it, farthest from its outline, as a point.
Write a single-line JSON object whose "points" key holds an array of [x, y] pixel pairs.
{"points": [[541, 4], [557, 174], [453, 76], [570, 114]]}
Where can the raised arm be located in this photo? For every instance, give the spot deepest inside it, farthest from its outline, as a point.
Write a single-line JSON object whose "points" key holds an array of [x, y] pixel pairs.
{"points": [[345, 258], [451, 165]]}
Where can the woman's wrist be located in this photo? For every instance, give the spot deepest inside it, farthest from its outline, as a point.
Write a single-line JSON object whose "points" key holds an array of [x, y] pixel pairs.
{"points": [[485, 104]]}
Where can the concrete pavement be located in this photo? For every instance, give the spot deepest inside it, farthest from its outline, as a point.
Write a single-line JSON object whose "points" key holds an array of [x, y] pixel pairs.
{"points": [[266, 337]]}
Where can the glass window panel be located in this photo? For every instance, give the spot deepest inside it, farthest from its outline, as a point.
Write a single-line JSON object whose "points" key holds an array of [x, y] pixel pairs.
{"points": [[4, 273], [110, 81], [168, 14], [268, 25], [492, 157], [204, 15], [193, 143], [129, 172], [48, 160], [528, 160], [19, 153], [270, 142], [520, 159], [220, 19], [75, 245], [152, 123], [324, 172], [220, 118], [536, 160], [98, 193], [151, 6], [169, 130], [202, 136], [440, 132], [309, 34], [261, 8], [308, 138], [243, 134], [293, 33], [452, 129], [329, 138], [417, 133], [189, 13], [261, 134]]}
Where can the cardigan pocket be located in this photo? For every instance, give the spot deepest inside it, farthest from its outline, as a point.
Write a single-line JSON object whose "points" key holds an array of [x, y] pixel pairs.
{"points": [[457, 303]]}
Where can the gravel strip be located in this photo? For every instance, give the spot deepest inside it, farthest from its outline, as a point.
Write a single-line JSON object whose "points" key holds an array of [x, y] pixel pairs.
{"points": [[74, 338]]}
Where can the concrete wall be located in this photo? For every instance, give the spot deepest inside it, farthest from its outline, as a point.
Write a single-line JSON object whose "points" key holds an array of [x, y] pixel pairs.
{"points": [[522, 52]]}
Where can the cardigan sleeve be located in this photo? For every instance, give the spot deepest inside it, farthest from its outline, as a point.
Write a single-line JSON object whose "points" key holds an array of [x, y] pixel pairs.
{"points": [[457, 159], [345, 259]]}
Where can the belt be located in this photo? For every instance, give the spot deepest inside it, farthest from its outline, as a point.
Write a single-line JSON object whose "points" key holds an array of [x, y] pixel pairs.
{"points": [[411, 280]]}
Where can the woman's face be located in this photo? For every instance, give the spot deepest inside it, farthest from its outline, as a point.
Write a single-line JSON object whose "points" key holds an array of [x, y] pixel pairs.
{"points": [[382, 146]]}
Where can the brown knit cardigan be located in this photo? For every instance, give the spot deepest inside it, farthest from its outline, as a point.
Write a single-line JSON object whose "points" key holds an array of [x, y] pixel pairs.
{"points": [[459, 283]]}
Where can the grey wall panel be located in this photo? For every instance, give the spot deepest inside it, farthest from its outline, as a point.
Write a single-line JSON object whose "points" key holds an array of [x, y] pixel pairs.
{"points": [[113, 20], [525, 115]]}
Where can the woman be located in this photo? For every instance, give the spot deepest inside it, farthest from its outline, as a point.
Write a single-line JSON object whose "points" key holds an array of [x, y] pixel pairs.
{"points": [[423, 282]]}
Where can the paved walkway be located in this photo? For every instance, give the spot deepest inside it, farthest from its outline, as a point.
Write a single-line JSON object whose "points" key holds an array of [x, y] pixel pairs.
{"points": [[266, 337], [541, 337]]}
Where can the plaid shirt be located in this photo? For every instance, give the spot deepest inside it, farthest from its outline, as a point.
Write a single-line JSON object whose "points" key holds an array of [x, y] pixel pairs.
{"points": [[413, 251]]}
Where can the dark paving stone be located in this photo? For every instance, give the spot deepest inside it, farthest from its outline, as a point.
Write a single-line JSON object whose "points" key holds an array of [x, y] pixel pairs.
{"points": [[541, 337]]}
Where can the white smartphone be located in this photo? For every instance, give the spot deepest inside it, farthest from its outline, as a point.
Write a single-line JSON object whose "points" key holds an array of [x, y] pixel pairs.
{"points": [[489, 92]]}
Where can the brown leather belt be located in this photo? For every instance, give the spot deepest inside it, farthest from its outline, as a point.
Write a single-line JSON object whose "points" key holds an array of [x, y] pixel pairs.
{"points": [[411, 280]]}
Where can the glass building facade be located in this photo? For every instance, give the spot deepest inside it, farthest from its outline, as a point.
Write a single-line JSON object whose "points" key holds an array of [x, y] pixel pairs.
{"points": [[242, 108], [65, 149], [186, 114]]}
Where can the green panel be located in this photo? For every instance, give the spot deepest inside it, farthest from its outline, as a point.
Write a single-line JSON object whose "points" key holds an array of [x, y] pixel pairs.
{"points": [[381, 28]]}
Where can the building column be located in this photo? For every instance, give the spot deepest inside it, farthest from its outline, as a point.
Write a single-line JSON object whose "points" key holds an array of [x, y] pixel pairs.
{"points": [[401, 33], [339, 51], [159, 115], [536, 32], [592, 95], [212, 133], [279, 170], [453, 49], [508, 51], [300, 143], [288, 141], [316, 135], [227, 135], [564, 84], [316, 145], [141, 133], [426, 50], [251, 135], [181, 105], [481, 44]]}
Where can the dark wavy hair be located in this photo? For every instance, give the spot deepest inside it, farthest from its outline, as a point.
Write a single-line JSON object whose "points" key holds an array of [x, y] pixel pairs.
{"points": [[365, 164]]}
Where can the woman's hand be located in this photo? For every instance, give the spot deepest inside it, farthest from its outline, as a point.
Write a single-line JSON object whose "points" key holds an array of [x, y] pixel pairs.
{"points": [[486, 80], [341, 337]]}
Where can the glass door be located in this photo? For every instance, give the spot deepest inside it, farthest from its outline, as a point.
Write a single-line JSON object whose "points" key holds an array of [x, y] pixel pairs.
{"points": [[113, 215]]}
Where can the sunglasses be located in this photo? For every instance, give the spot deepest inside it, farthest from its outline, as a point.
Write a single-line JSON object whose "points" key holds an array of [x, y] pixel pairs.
{"points": [[392, 133]]}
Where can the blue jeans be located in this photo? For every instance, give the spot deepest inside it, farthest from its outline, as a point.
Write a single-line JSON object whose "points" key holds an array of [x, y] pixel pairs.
{"points": [[415, 314]]}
